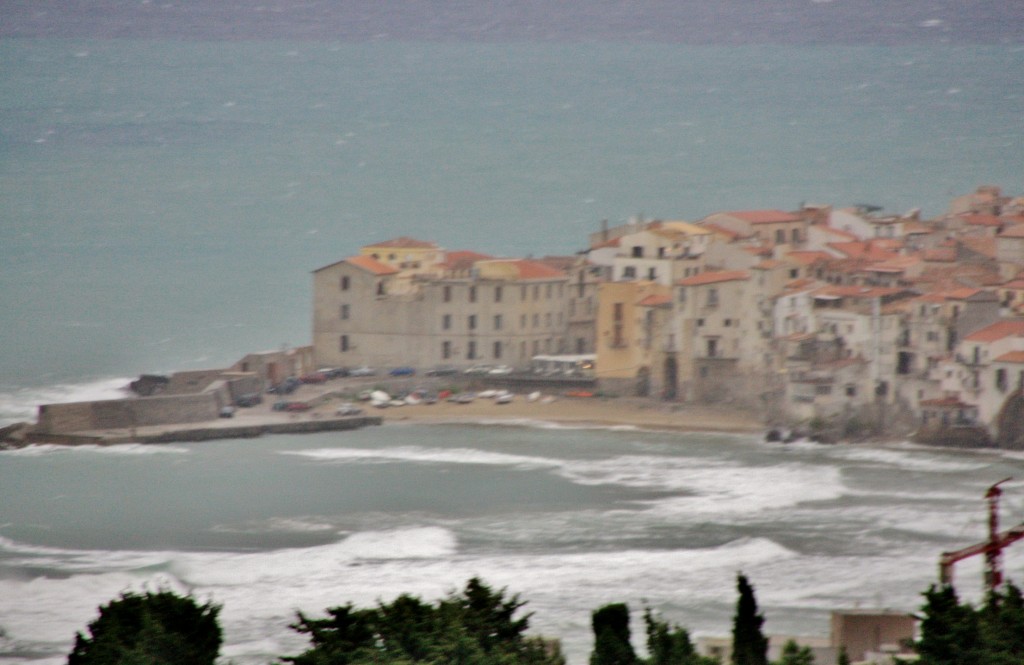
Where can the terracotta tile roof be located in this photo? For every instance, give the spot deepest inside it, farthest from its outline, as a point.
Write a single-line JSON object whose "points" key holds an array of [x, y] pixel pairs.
{"points": [[463, 259], [831, 230], [807, 257], [1011, 357], [764, 216], [977, 219], [1016, 231], [655, 301], [614, 242], [944, 402], [370, 264], [1014, 284], [528, 269], [858, 291], [714, 277], [915, 228], [961, 294], [984, 246], [997, 331], [939, 255], [405, 242], [722, 231], [769, 264]]}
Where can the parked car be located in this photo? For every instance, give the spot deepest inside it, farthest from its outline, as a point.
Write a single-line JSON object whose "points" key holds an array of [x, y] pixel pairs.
{"points": [[442, 370], [227, 412], [362, 371], [314, 377], [349, 409], [285, 405], [249, 399], [500, 369], [333, 372], [402, 371], [478, 369], [285, 387]]}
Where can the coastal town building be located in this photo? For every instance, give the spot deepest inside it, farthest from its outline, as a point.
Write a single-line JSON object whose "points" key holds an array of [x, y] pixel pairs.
{"points": [[427, 307]]}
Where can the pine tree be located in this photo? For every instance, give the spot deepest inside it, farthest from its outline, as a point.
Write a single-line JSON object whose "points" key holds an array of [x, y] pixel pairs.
{"points": [[749, 645], [611, 636]]}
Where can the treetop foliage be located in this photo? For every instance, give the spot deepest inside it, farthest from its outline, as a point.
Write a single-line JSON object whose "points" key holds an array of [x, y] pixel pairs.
{"points": [[953, 633], [477, 626], [159, 628]]}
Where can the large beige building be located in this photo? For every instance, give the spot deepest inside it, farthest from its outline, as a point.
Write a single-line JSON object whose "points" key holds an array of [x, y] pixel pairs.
{"points": [[408, 303]]}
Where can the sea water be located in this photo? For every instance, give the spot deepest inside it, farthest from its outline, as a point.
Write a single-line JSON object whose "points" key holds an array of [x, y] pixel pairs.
{"points": [[569, 518], [164, 202]]}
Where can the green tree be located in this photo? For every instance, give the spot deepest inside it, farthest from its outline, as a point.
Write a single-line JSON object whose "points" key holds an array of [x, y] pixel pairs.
{"points": [[794, 654], [950, 633], [1001, 627], [670, 645], [150, 629], [843, 658], [749, 645], [611, 636], [477, 626]]}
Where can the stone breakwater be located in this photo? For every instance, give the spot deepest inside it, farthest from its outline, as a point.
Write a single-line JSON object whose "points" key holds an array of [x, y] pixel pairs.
{"points": [[181, 433]]}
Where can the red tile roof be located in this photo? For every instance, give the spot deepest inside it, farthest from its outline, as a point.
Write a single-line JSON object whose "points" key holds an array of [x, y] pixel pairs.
{"points": [[978, 219], [406, 242], [463, 259], [1011, 357], [370, 264], [714, 277], [764, 216], [807, 257], [534, 270], [1016, 231], [997, 331], [944, 402], [655, 301]]}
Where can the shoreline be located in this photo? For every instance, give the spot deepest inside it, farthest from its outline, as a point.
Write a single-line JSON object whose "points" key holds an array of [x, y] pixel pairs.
{"points": [[595, 412]]}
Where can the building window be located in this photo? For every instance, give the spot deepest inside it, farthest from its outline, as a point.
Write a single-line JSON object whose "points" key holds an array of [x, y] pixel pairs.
{"points": [[522, 294], [497, 294], [497, 321], [522, 321], [471, 350], [536, 293], [497, 350], [682, 295], [700, 323], [652, 274], [712, 297], [344, 313], [780, 236], [446, 322], [447, 294], [638, 252], [618, 319], [548, 291], [536, 320], [547, 319], [472, 294], [446, 350], [794, 273], [380, 288], [343, 344], [851, 391], [727, 323], [629, 272], [796, 235], [712, 348], [344, 283], [1001, 380], [471, 322]]}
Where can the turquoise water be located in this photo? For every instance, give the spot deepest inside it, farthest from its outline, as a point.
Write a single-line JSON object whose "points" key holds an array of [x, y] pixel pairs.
{"points": [[164, 202], [571, 519]]}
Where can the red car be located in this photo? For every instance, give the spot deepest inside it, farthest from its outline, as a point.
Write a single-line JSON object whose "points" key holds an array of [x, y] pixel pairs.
{"points": [[315, 377], [297, 406]]}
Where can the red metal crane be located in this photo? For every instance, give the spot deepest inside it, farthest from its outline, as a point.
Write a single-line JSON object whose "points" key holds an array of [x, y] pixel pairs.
{"points": [[991, 548]]}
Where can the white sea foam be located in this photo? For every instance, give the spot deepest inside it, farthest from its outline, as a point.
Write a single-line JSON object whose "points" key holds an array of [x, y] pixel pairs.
{"points": [[422, 455], [40, 449], [921, 459], [22, 403]]}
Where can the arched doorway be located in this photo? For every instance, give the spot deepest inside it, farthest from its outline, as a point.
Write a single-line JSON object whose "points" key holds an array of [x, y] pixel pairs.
{"points": [[1010, 423], [671, 374]]}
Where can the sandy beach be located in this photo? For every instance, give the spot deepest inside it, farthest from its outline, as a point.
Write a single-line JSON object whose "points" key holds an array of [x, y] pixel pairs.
{"points": [[608, 412]]}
